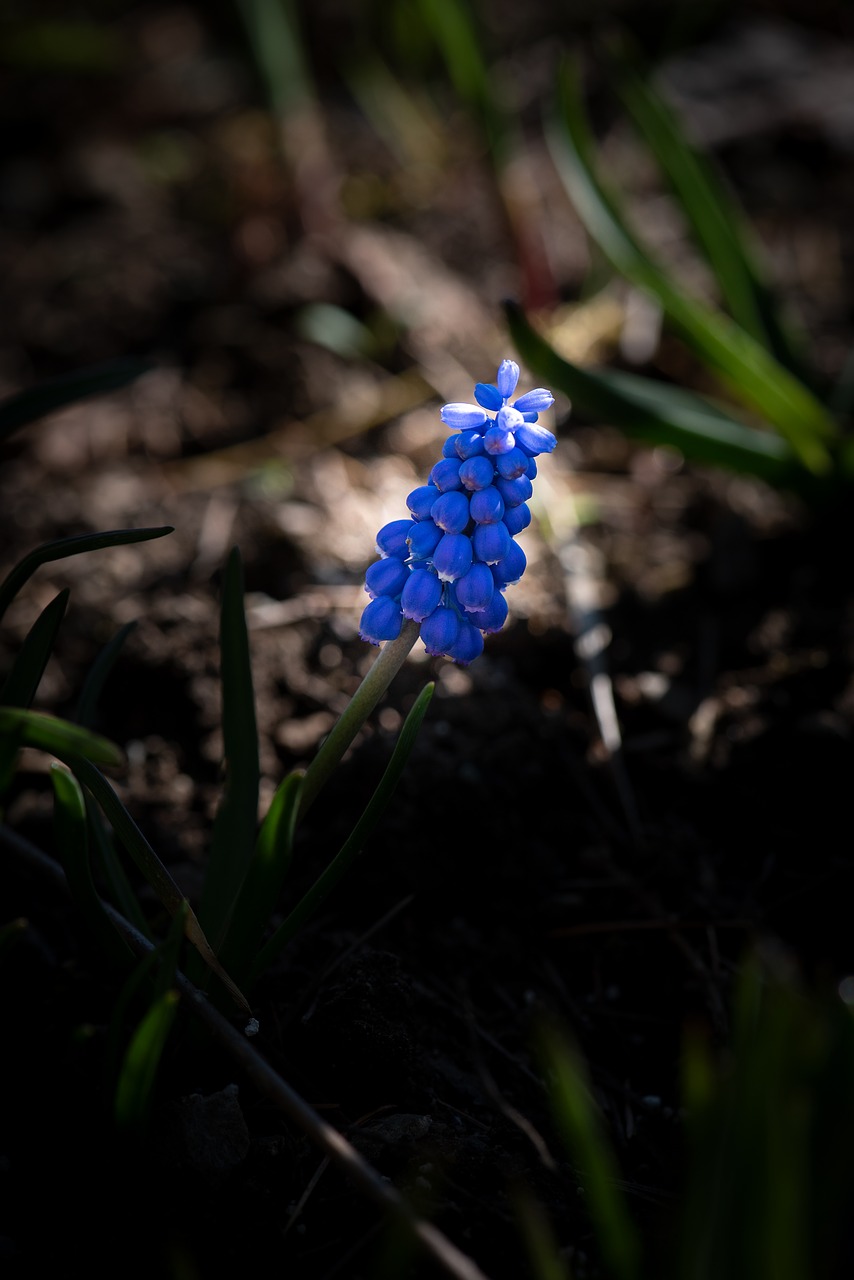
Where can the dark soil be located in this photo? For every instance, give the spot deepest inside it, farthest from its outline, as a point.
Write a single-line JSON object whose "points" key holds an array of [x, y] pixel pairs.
{"points": [[520, 870]]}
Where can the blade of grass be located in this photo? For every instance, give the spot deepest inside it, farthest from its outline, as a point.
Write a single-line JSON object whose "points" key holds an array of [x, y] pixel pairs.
{"points": [[352, 847], [236, 822], [263, 884], [742, 363], [659, 413], [98, 674], [541, 1246], [27, 406], [120, 891], [717, 221], [72, 841], [150, 865], [277, 47], [135, 1087], [27, 670], [65, 547], [452, 26], [580, 1120], [150, 978], [752, 1168], [59, 737]]}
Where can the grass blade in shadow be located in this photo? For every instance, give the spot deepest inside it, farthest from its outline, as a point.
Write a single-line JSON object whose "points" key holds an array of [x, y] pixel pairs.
{"points": [[72, 840], [59, 737], [580, 1120], [142, 1061], [28, 406], [266, 875], [108, 864], [150, 865], [351, 849], [746, 367], [659, 413], [28, 667], [98, 674], [64, 547], [717, 222], [236, 822]]}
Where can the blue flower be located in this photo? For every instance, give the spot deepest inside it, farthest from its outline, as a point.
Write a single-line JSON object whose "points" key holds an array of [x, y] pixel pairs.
{"points": [[448, 565]]}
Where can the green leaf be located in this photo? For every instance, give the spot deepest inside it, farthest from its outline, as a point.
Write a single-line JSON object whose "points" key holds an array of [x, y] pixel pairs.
{"points": [[149, 864], [28, 668], [151, 977], [717, 221], [771, 1132], [27, 406], [109, 866], [59, 737], [657, 412], [273, 29], [72, 840], [451, 24], [580, 1121], [65, 547], [544, 1256], [236, 823], [138, 1075], [263, 884], [353, 846], [98, 674], [741, 362]]}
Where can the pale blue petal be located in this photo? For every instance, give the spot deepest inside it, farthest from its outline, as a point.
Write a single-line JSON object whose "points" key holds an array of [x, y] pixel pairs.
{"points": [[462, 417], [535, 401], [508, 376]]}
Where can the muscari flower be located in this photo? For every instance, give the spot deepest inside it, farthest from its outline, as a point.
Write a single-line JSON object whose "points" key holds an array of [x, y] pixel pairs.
{"points": [[447, 567]]}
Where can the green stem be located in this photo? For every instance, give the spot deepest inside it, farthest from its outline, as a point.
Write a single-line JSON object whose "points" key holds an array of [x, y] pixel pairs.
{"points": [[386, 666]]}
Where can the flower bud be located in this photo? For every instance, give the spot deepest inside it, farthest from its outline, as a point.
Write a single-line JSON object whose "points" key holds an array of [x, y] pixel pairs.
{"points": [[517, 518], [514, 491], [477, 472], [510, 567], [462, 417], [391, 539], [423, 539], [381, 620], [491, 542], [421, 595], [446, 474], [453, 556], [440, 630], [420, 500], [487, 505], [386, 577], [475, 589], [450, 511]]}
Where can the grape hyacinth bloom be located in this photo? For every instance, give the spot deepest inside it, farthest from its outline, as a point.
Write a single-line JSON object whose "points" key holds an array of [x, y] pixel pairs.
{"points": [[447, 567]]}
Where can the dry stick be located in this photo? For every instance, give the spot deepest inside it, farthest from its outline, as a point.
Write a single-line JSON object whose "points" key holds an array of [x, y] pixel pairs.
{"points": [[592, 638], [338, 1150]]}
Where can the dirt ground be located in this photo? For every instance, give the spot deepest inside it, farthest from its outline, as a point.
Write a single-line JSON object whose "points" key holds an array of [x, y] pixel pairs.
{"points": [[154, 207]]}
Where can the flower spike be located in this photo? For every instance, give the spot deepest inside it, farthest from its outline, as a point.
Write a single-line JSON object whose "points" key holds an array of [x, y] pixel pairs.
{"points": [[447, 567]]}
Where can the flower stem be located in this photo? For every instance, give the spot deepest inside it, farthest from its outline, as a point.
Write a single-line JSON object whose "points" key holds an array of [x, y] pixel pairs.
{"points": [[386, 666]]}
